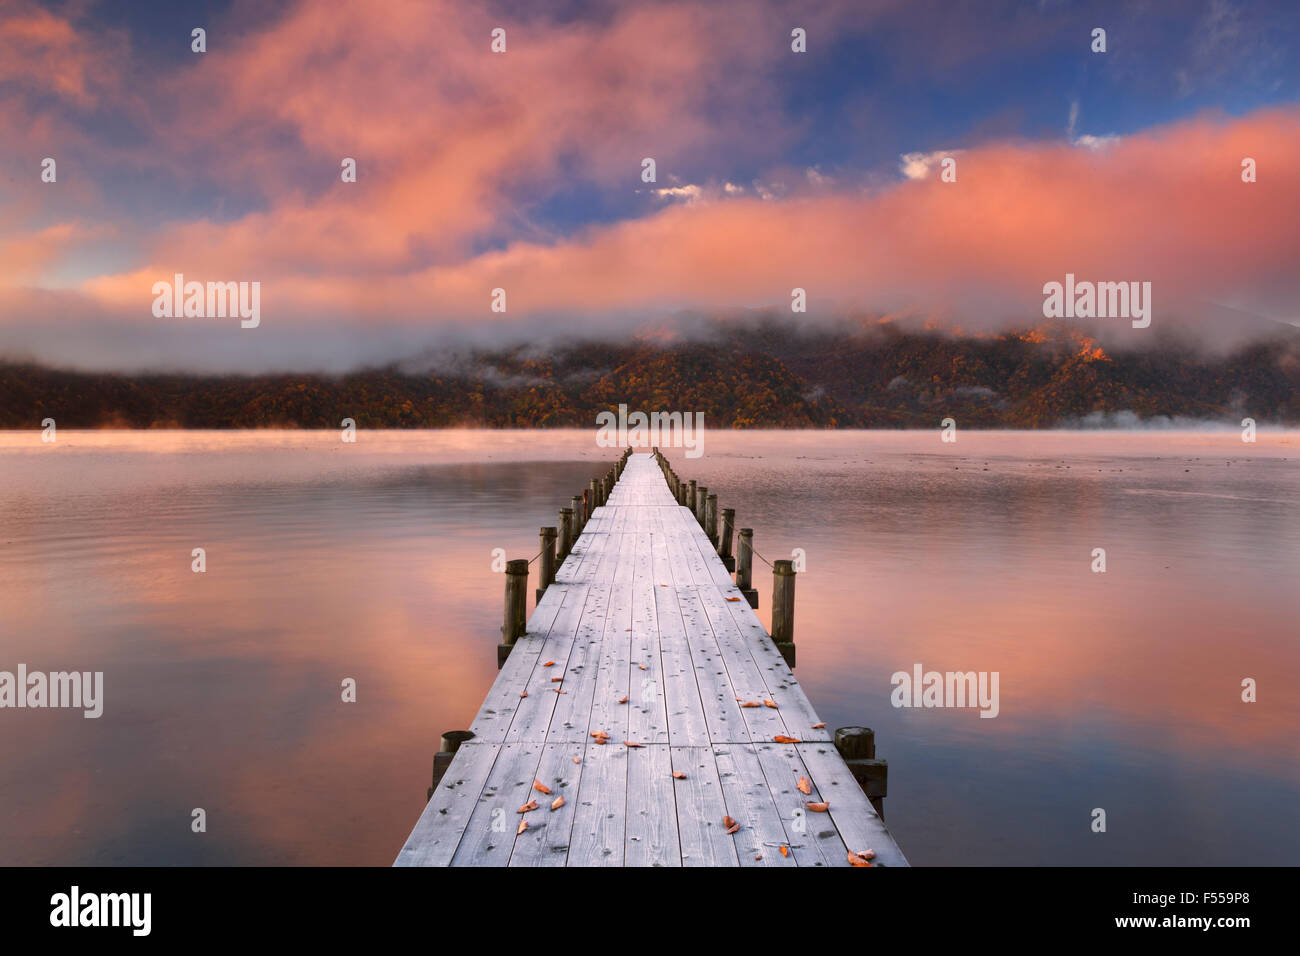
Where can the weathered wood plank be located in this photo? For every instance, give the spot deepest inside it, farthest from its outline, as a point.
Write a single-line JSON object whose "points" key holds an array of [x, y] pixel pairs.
{"points": [[859, 826], [814, 841], [560, 612], [438, 832], [652, 812], [546, 841], [490, 831], [701, 807], [600, 817]]}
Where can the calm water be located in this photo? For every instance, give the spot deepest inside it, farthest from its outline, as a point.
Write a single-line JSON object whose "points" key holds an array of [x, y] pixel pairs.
{"points": [[372, 561]]}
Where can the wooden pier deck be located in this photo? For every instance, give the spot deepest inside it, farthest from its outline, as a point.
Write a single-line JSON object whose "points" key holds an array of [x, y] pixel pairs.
{"points": [[644, 637]]}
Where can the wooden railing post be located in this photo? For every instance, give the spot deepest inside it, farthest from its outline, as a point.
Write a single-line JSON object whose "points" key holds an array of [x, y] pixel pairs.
{"points": [[701, 502], [857, 745], [450, 743], [745, 567], [592, 497], [566, 534], [516, 617], [711, 520], [724, 546], [546, 565], [783, 609]]}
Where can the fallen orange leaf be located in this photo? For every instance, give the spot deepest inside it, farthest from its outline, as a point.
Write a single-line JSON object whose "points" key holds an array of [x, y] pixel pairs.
{"points": [[541, 787], [557, 802], [750, 703], [733, 599], [623, 699], [629, 743], [804, 786], [785, 851], [862, 858], [577, 760], [523, 695], [731, 825], [523, 825], [642, 666], [818, 807], [678, 775], [783, 739], [558, 691], [530, 805], [818, 726], [549, 664], [771, 703]]}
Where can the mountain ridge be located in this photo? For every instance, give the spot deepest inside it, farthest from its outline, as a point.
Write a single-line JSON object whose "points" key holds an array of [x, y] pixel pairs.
{"points": [[761, 374]]}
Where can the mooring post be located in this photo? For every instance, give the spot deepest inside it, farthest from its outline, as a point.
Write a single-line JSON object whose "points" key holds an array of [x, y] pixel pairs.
{"points": [[724, 546], [594, 492], [516, 620], [575, 505], [857, 745], [701, 502], [745, 567], [690, 496], [566, 534], [546, 568], [783, 609], [711, 520], [451, 742]]}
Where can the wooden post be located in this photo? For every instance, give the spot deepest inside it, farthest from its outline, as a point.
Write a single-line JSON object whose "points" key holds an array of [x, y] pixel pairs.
{"points": [[702, 502], [593, 496], [578, 519], [857, 745], [566, 533], [516, 620], [451, 742], [690, 496], [724, 542], [745, 567], [546, 568], [711, 520], [783, 609]]}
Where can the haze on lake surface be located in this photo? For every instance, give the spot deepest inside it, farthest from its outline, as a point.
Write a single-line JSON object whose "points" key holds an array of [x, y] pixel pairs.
{"points": [[372, 561]]}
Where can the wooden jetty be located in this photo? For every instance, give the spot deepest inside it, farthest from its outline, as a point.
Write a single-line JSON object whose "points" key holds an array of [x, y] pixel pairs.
{"points": [[645, 712]]}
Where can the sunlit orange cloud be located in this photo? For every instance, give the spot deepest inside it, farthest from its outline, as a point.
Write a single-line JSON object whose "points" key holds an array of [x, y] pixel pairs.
{"points": [[42, 50], [1166, 206], [453, 143], [449, 139]]}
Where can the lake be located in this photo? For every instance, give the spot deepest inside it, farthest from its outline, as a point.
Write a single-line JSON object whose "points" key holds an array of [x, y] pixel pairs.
{"points": [[1119, 690]]}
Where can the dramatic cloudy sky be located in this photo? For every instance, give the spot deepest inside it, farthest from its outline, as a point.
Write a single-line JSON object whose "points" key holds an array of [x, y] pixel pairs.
{"points": [[522, 171]]}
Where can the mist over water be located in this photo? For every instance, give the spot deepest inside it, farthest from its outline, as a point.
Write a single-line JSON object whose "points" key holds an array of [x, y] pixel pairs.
{"points": [[372, 561]]}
